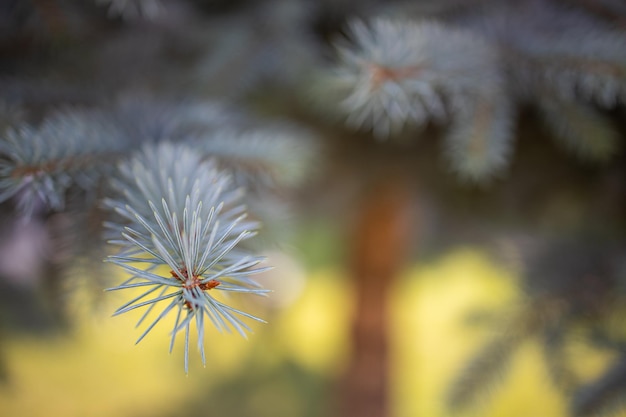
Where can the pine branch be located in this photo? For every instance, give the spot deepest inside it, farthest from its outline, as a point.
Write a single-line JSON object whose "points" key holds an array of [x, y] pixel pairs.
{"points": [[144, 118], [262, 157], [605, 396], [546, 47], [180, 213], [471, 72], [402, 73], [69, 148], [592, 68], [487, 367], [485, 370], [553, 344], [580, 129], [479, 142]]}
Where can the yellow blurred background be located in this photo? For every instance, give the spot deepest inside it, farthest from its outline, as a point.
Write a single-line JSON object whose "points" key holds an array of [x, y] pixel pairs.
{"points": [[288, 367]]}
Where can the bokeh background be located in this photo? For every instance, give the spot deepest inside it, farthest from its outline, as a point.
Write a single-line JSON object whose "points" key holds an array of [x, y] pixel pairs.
{"points": [[398, 288], [293, 365]]}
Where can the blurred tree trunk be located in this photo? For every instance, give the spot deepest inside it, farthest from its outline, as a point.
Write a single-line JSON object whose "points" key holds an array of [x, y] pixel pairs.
{"points": [[379, 248]]}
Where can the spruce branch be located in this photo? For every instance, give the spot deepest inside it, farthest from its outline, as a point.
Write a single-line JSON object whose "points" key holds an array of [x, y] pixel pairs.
{"points": [[144, 118], [548, 47], [485, 370], [579, 128], [180, 213], [399, 73], [259, 154], [68, 148], [273, 156], [479, 141], [568, 282], [556, 361], [489, 365], [604, 396], [471, 73], [591, 68]]}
